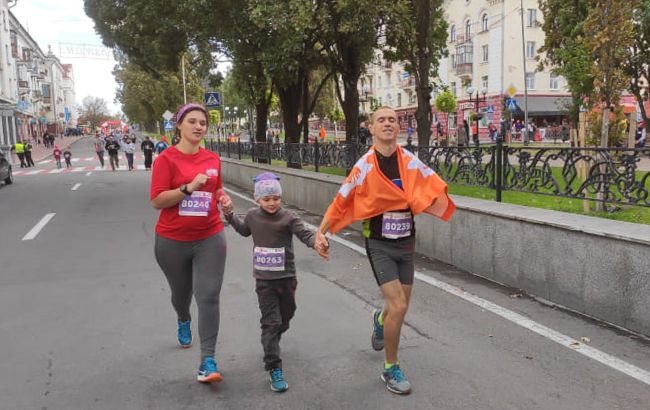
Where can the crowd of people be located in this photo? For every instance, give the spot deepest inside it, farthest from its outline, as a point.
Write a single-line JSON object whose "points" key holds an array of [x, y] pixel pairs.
{"points": [[113, 143]]}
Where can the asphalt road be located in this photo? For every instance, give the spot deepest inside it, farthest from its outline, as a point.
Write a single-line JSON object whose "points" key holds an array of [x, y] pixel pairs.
{"points": [[87, 324]]}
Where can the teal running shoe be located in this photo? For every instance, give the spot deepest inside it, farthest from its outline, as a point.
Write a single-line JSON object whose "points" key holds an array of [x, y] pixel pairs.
{"points": [[396, 380], [184, 334], [209, 372], [278, 384], [377, 339]]}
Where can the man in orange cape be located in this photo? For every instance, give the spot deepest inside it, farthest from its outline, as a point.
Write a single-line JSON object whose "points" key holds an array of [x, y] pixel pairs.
{"points": [[385, 189]]}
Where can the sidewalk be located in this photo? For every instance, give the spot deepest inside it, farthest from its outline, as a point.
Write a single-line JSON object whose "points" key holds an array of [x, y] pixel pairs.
{"points": [[39, 152]]}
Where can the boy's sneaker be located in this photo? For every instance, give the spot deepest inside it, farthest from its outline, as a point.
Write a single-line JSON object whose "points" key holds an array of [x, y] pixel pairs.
{"points": [[209, 372], [395, 380], [184, 334], [278, 383], [377, 339]]}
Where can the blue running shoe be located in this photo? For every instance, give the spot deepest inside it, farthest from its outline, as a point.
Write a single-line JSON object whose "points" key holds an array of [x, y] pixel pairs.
{"points": [[184, 334], [377, 339], [209, 372], [396, 380], [278, 384]]}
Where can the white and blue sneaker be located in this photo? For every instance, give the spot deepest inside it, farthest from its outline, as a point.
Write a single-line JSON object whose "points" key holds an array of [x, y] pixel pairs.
{"points": [[278, 384], [184, 334], [209, 372], [396, 380]]}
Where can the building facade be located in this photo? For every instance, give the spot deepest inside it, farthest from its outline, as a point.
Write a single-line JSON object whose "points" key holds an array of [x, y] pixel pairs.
{"points": [[8, 81], [487, 57]]}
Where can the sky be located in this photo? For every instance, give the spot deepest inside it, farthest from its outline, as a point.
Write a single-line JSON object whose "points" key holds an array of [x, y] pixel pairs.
{"points": [[52, 22]]}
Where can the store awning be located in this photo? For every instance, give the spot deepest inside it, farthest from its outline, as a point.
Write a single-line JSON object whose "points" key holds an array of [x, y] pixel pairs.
{"points": [[545, 105]]}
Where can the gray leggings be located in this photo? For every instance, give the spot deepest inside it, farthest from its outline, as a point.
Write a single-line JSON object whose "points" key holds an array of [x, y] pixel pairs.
{"points": [[195, 268]]}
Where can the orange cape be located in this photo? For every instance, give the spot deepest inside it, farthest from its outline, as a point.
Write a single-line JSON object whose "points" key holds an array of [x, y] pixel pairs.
{"points": [[367, 192]]}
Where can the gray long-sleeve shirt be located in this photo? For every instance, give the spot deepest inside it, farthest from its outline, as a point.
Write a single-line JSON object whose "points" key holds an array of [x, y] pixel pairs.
{"points": [[273, 256]]}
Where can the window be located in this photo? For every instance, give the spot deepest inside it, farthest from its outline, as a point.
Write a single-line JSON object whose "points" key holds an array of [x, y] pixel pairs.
{"points": [[484, 22], [484, 53], [530, 81], [484, 82], [399, 77], [531, 49], [453, 89], [399, 99], [554, 83], [451, 123], [387, 79], [468, 30], [452, 33], [531, 18], [453, 60]]}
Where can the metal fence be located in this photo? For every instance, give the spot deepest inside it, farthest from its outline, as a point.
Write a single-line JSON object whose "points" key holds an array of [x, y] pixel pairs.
{"points": [[612, 175]]}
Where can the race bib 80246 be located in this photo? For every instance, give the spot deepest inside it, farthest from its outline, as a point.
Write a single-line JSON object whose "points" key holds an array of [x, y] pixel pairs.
{"points": [[197, 204]]}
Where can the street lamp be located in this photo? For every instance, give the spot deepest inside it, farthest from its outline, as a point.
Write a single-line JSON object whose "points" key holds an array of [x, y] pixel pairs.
{"points": [[231, 114], [471, 90]]}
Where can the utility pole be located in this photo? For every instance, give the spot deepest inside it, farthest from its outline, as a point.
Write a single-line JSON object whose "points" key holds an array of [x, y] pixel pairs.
{"points": [[523, 47]]}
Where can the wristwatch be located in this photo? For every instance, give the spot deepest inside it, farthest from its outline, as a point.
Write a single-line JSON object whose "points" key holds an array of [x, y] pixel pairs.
{"points": [[184, 189]]}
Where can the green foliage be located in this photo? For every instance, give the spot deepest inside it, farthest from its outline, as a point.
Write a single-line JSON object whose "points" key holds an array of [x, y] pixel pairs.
{"points": [[93, 110], [637, 66], [617, 126], [446, 102], [145, 96]]}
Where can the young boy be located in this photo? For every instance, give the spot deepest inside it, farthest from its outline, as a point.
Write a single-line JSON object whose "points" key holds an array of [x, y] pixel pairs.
{"points": [[274, 270], [57, 156]]}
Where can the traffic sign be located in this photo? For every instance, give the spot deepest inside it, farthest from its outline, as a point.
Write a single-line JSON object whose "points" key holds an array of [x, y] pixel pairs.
{"points": [[511, 104], [167, 115], [168, 125], [212, 99], [490, 109], [511, 91]]}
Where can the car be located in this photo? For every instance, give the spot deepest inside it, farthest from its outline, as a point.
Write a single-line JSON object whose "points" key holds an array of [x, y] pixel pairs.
{"points": [[6, 173]]}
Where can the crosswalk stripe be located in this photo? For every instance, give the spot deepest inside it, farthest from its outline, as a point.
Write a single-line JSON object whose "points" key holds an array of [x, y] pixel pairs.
{"points": [[34, 172]]}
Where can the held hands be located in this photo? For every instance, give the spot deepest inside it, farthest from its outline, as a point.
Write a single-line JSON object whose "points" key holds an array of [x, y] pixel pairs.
{"points": [[322, 245], [226, 204]]}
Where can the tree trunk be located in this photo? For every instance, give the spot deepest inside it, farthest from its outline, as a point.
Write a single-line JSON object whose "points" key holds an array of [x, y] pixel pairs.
{"points": [[604, 143], [422, 67], [351, 108], [290, 97]]}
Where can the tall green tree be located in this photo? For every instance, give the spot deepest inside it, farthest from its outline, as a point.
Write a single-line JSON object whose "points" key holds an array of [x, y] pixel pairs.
{"points": [[145, 96], [638, 65], [416, 33], [564, 48], [609, 37], [350, 34]]}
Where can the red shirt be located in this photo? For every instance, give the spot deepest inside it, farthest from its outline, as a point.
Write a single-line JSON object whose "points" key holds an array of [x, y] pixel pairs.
{"points": [[171, 169]]}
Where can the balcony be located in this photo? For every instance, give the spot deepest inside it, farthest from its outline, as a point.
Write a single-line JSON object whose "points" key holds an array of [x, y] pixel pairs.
{"points": [[464, 70], [463, 59], [23, 84], [409, 83], [47, 100]]}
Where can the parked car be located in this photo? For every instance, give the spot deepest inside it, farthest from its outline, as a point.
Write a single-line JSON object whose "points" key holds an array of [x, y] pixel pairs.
{"points": [[6, 174]]}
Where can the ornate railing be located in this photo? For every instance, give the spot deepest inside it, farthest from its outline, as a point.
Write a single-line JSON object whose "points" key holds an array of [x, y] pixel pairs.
{"points": [[612, 175]]}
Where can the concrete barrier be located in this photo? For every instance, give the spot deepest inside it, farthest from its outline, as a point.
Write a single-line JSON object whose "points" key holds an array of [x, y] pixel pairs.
{"points": [[591, 265]]}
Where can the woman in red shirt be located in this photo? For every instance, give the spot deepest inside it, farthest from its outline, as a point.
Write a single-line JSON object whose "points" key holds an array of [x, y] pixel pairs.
{"points": [[190, 243]]}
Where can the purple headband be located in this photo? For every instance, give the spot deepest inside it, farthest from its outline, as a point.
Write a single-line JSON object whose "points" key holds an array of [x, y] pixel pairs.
{"points": [[188, 107]]}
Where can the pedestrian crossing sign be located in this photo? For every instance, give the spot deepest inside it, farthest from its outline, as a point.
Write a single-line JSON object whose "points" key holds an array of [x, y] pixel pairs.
{"points": [[212, 100], [168, 125], [511, 105]]}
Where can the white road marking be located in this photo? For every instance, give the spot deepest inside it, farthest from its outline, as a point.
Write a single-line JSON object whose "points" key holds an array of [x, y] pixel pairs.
{"points": [[47, 161], [34, 172], [37, 228], [577, 346], [88, 174], [78, 169], [76, 186], [56, 171]]}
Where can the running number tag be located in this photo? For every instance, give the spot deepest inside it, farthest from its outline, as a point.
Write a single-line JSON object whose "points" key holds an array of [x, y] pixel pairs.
{"points": [[396, 225], [268, 258], [197, 204]]}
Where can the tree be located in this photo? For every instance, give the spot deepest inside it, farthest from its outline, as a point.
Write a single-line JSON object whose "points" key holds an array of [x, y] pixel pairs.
{"points": [[564, 47], [609, 36], [416, 33], [638, 65], [94, 110], [445, 103], [145, 96], [350, 31]]}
